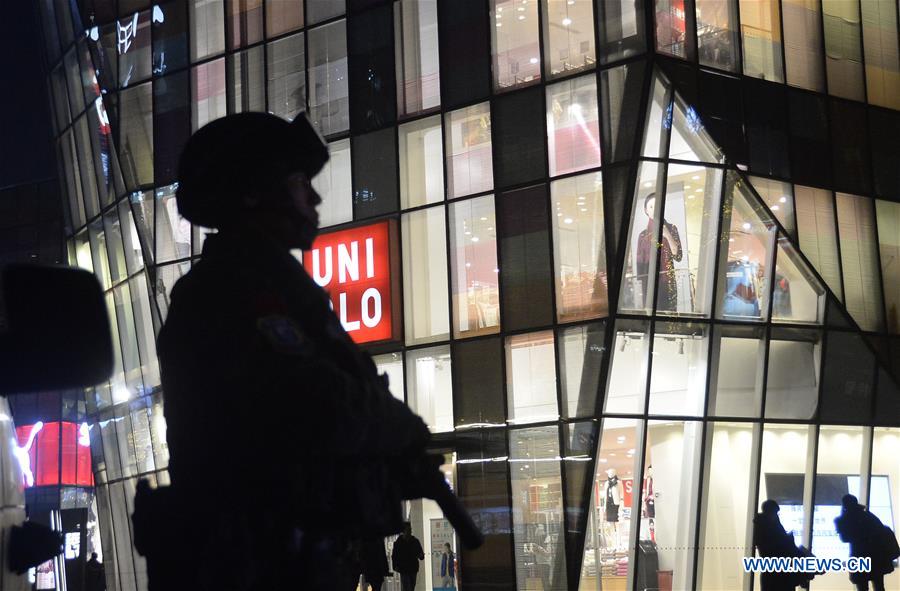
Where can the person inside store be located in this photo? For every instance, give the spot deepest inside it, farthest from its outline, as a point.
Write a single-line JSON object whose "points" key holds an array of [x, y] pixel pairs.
{"points": [[448, 567], [405, 557], [771, 539], [94, 575], [286, 445], [867, 536]]}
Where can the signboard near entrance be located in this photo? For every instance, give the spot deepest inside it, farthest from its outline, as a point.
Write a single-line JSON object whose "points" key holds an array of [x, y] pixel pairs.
{"points": [[356, 267]]}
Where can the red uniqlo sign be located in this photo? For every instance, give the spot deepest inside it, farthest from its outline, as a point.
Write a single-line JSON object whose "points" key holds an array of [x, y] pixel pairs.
{"points": [[57, 453], [355, 267]]}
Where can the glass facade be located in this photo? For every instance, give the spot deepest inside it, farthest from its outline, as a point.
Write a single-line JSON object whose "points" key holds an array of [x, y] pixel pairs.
{"points": [[648, 255]]}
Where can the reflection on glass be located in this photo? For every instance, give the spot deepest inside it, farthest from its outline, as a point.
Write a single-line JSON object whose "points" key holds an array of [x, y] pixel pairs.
{"points": [[678, 383], [473, 267], [803, 43], [580, 248], [83, 256], [641, 256], [114, 246], [136, 135], [717, 33], [889, 247], [746, 269], [690, 141], [131, 361], [208, 99], [416, 49], [134, 48], [797, 295], [573, 128], [738, 363], [659, 120], [391, 365], [538, 532], [283, 16], [859, 260], [98, 253], [244, 22], [207, 18], [146, 337], [329, 102], [626, 388], [286, 76], [580, 350], [843, 48], [514, 42], [792, 384], [779, 197], [425, 276], [173, 232], [531, 378], [568, 35], [333, 185], [248, 84], [761, 37], [468, 145], [671, 28], [430, 386], [817, 234], [421, 162]]}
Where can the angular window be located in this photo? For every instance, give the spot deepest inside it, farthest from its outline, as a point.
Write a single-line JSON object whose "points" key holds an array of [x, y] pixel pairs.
{"points": [[843, 49], [74, 192], [418, 62], [134, 48], [779, 197], [207, 18], [638, 281], [372, 69], [621, 29], [391, 365], [678, 381], [166, 276], [430, 387], [580, 350], [247, 91], [622, 87], [283, 16], [329, 103], [333, 184], [473, 267], [671, 28], [889, 247], [786, 475], [879, 20], [792, 383], [136, 136], [88, 157], [421, 162], [746, 268], [803, 44], [761, 38], [717, 43], [173, 232], [690, 141], [425, 276], [818, 236], [60, 97], [207, 93], [515, 43], [468, 150], [131, 361], [286, 76], [737, 369], [97, 236], [112, 232], [797, 297], [134, 256], [568, 36], [580, 248], [573, 129], [244, 20], [536, 482], [142, 208], [859, 261], [626, 388], [531, 378], [659, 120], [140, 301], [374, 173]]}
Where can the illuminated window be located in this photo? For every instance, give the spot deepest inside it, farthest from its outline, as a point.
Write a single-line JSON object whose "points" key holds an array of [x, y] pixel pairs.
{"points": [[248, 85], [515, 43], [283, 16], [416, 46], [473, 265], [803, 44], [421, 162], [717, 33], [425, 276], [568, 36], [329, 103], [573, 129], [761, 37], [430, 388], [244, 22], [469, 159], [207, 93], [286, 76], [531, 378]]}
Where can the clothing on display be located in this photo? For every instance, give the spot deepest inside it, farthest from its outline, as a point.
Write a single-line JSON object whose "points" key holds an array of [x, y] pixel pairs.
{"points": [[670, 251], [781, 297], [742, 289], [613, 498]]}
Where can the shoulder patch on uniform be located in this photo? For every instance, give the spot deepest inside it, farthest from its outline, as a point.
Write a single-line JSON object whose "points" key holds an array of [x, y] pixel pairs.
{"points": [[284, 335]]}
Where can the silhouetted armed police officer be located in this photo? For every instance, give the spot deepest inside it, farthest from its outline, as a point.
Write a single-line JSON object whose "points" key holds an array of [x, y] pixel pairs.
{"points": [[285, 444]]}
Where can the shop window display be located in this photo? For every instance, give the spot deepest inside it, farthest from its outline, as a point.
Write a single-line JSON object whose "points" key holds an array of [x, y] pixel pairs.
{"points": [[421, 162], [795, 365], [626, 388], [717, 33], [531, 378], [207, 93], [568, 36], [515, 43], [797, 295], [329, 101], [678, 379], [473, 267], [859, 260], [580, 350], [818, 235], [803, 44], [889, 247], [425, 276], [761, 39], [738, 363], [573, 127], [641, 257], [429, 388], [247, 91], [579, 245], [884, 485], [671, 28], [416, 49], [537, 509], [468, 150]]}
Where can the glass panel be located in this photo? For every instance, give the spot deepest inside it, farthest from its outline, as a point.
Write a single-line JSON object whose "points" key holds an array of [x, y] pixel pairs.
{"points": [[140, 427], [612, 524], [745, 272], [391, 366], [514, 41], [671, 472], [329, 103], [372, 68], [580, 350], [727, 506], [60, 97], [818, 236], [87, 157], [468, 145], [283, 16], [425, 276], [169, 31], [135, 61], [797, 296], [568, 36], [131, 362], [884, 494], [859, 260], [83, 256], [142, 208], [286, 76], [173, 232], [158, 432], [579, 246], [140, 301], [207, 18], [573, 129], [659, 120], [690, 141], [848, 379], [879, 19], [430, 389], [717, 34], [69, 157], [478, 383], [803, 44], [621, 29], [761, 37], [421, 162], [244, 19], [626, 389], [320, 10], [99, 254], [207, 93], [538, 533], [106, 160], [166, 276], [473, 265], [136, 135], [172, 124], [678, 381], [688, 246], [738, 364], [641, 254], [416, 50], [792, 384], [531, 378], [889, 248], [779, 197], [374, 173], [334, 186], [114, 246], [248, 86], [671, 28], [73, 79], [518, 127], [843, 48]]}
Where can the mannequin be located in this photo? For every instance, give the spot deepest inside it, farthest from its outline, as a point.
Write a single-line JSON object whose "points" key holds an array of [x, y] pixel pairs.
{"points": [[612, 492], [650, 503]]}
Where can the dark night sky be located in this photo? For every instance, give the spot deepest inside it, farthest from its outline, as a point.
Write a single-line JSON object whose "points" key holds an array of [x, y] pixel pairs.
{"points": [[25, 127]]}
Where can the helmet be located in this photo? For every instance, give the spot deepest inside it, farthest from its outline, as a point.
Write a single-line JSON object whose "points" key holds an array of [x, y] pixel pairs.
{"points": [[247, 152]]}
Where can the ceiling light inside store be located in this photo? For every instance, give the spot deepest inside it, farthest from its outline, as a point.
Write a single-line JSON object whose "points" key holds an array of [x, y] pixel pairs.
{"points": [[483, 219], [520, 9], [602, 460], [474, 238], [691, 196], [583, 209], [775, 208], [499, 25], [533, 60], [620, 439], [566, 22], [648, 184], [745, 258], [783, 199], [468, 265], [567, 221], [746, 226], [696, 177], [521, 17]]}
